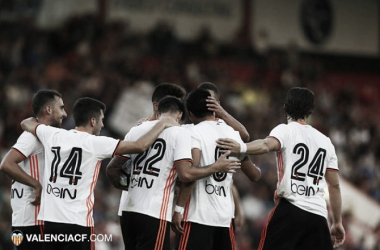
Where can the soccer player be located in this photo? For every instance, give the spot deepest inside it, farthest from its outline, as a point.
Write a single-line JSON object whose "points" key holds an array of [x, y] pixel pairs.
{"points": [[306, 162], [148, 207], [72, 164], [24, 163], [119, 164], [222, 115], [209, 211]]}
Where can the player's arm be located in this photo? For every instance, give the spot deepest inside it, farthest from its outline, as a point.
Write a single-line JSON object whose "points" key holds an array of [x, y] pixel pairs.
{"points": [[185, 191], [29, 125], [337, 230], [214, 105], [188, 172], [256, 147], [183, 197], [9, 165], [250, 169], [113, 171], [239, 214], [142, 144]]}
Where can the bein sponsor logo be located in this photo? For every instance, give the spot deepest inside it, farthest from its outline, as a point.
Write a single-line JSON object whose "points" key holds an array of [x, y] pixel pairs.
{"points": [[303, 190], [140, 182], [16, 194], [61, 193], [215, 189]]}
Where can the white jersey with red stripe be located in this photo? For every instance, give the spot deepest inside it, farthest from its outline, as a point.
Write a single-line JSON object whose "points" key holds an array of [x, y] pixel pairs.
{"points": [[151, 190], [211, 201], [304, 157], [73, 160], [23, 212], [124, 193]]}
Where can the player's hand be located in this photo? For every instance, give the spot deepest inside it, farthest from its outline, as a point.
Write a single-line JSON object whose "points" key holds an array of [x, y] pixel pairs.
{"points": [[141, 121], [228, 145], [337, 234], [37, 194], [214, 106], [29, 124], [224, 165], [177, 223], [168, 121]]}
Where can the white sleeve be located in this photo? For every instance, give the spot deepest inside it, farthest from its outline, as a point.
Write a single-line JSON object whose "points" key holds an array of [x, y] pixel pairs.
{"points": [[27, 144], [237, 138], [195, 140], [127, 138], [44, 132], [280, 133], [104, 147], [182, 149], [332, 163]]}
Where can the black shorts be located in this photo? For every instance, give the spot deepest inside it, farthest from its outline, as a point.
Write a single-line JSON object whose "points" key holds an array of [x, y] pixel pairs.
{"points": [[203, 237], [34, 233], [144, 232], [68, 236], [292, 228]]}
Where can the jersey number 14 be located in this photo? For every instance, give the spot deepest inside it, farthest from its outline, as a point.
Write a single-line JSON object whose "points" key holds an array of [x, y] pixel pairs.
{"points": [[71, 167]]}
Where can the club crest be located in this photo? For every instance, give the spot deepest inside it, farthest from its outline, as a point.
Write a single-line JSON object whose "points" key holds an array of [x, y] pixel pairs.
{"points": [[17, 237]]}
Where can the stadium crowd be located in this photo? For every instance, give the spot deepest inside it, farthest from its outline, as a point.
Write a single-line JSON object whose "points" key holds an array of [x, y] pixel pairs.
{"points": [[85, 57]]}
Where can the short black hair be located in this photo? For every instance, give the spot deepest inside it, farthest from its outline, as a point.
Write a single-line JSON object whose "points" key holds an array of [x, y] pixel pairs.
{"points": [[85, 108], [210, 86], [43, 98], [167, 89], [172, 105], [196, 103], [299, 103]]}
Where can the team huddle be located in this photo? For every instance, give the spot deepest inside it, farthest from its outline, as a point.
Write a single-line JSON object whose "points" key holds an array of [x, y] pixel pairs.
{"points": [[173, 175]]}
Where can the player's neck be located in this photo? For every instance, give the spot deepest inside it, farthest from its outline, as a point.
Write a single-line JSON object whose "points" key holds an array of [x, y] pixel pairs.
{"points": [[44, 120], [153, 116], [302, 121]]}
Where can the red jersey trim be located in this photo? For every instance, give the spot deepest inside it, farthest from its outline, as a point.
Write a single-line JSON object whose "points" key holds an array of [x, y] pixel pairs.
{"points": [[279, 143], [19, 152], [332, 169], [117, 146], [35, 130]]}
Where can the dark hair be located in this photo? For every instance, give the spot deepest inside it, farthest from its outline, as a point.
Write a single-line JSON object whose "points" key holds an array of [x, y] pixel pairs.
{"points": [[43, 98], [299, 103], [85, 108], [172, 105], [196, 103], [210, 86], [167, 89]]}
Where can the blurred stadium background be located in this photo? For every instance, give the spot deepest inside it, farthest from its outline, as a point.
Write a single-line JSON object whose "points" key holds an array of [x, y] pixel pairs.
{"points": [[254, 50]]}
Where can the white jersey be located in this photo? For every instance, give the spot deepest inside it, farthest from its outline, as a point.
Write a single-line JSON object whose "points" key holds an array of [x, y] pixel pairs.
{"points": [[211, 201], [73, 160], [124, 193], [23, 212], [302, 162], [153, 175]]}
